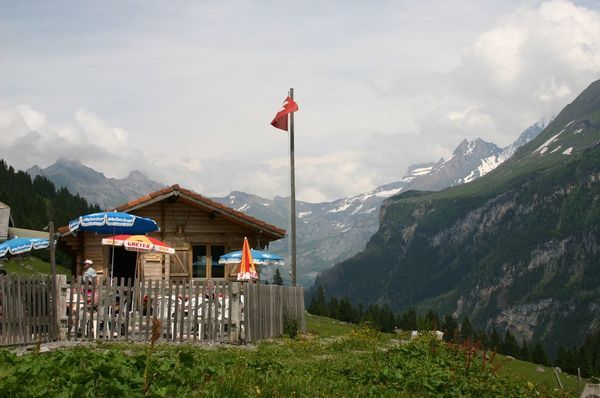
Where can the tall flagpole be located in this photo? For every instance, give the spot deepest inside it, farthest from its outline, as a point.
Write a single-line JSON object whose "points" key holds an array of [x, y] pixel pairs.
{"points": [[292, 196]]}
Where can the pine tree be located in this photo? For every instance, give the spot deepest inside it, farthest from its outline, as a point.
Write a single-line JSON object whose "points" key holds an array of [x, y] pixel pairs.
{"points": [[585, 361], [509, 345], [524, 353], [481, 337], [318, 304], [570, 364], [408, 320], [450, 328], [566, 360], [539, 355], [589, 354], [466, 330], [333, 310], [495, 341], [387, 320], [277, 279], [346, 312], [372, 315], [360, 313], [432, 321]]}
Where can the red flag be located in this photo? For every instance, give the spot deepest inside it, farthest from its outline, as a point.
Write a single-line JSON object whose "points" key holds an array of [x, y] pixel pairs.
{"points": [[280, 120]]}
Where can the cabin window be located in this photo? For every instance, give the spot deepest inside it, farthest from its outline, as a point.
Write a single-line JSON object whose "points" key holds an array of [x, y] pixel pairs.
{"points": [[218, 270], [206, 261], [199, 262]]}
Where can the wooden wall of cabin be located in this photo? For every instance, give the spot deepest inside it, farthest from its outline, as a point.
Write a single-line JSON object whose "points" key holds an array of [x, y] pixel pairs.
{"points": [[182, 226], [87, 245], [180, 221]]}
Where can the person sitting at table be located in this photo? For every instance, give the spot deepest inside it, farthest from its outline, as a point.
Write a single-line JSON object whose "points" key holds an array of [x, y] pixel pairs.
{"points": [[90, 273], [89, 277]]}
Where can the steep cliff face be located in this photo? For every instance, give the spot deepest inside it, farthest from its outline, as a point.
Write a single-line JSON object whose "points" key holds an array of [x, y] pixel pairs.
{"points": [[518, 248]]}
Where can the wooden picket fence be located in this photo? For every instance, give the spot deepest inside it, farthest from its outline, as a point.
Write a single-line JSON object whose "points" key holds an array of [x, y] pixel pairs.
{"points": [[269, 308], [28, 310], [124, 310], [187, 310]]}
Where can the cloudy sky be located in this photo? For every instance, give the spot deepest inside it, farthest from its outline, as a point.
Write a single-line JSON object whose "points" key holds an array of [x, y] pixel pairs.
{"points": [[185, 91]]}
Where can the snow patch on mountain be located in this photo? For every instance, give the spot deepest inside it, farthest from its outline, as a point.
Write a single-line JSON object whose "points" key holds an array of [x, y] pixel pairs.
{"points": [[422, 171], [346, 204], [544, 147], [244, 207], [369, 211], [388, 193], [488, 164], [303, 214]]}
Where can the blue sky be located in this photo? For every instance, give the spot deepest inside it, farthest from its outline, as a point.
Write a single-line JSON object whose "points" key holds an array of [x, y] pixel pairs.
{"points": [[185, 91]]}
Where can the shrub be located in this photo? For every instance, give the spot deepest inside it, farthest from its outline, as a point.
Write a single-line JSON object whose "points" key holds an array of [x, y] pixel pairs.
{"points": [[291, 325]]}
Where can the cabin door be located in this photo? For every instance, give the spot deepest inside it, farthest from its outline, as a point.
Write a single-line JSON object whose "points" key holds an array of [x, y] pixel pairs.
{"points": [[180, 263]]}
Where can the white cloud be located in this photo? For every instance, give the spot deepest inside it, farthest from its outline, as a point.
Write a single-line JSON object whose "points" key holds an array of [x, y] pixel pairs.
{"points": [[499, 50], [29, 138], [528, 65], [98, 132], [185, 93], [550, 90], [33, 119]]}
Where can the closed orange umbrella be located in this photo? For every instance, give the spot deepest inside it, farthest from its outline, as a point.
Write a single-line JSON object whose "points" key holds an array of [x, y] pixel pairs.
{"points": [[247, 269]]}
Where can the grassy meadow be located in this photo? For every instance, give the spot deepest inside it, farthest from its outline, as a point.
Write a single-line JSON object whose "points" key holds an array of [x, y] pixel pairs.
{"points": [[333, 359], [30, 265]]}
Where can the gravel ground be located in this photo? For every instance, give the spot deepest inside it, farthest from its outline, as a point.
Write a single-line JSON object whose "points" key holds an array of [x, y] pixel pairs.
{"points": [[49, 346], [53, 345]]}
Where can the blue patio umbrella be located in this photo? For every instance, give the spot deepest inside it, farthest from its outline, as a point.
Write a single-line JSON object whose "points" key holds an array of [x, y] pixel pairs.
{"points": [[22, 245], [114, 223], [259, 257]]}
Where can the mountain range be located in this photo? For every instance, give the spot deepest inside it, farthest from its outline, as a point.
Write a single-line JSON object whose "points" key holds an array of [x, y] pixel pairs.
{"points": [[516, 249], [93, 185], [330, 232], [327, 232]]}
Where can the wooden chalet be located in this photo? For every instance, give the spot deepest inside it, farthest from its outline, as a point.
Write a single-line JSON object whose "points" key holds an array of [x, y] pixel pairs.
{"points": [[200, 230], [8, 229], [5, 221]]}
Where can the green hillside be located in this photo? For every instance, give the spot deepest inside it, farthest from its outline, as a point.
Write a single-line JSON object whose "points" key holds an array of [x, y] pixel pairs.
{"points": [[31, 265], [518, 248], [33, 203]]}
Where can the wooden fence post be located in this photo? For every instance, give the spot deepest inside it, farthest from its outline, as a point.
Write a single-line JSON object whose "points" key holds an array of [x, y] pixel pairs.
{"points": [[236, 316], [60, 309]]}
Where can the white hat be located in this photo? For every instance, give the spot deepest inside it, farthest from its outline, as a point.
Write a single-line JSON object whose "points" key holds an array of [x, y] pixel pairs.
{"points": [[88, 262]]}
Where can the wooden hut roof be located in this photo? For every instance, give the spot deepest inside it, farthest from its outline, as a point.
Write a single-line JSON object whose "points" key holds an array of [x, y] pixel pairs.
{"points": [[200, 201]]}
